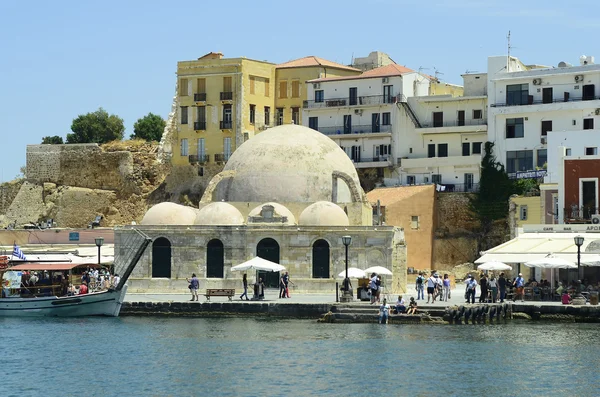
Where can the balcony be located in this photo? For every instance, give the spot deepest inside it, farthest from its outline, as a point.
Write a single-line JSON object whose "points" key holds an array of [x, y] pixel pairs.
{"points": [[358, 101], [226, 96], [566, 98], [355, 129], [585, 214], [198, 158], [472, 161], [372, 162], [199, 125], [454, 123], [226, 125], [200, 97], [458, 187], [222, 157]]}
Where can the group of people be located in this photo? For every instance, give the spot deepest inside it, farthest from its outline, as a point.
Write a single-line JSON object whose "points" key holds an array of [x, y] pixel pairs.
{"points": [[399, 308], [493, 289], [437, 287], [94, 280], [375, 288]]}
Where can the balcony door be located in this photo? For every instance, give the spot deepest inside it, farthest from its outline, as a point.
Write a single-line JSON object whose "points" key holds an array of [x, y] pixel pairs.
{"points": [[588, 196], [353, 96], [547, 95], [347, 124], [375, 122], [468, 182]]}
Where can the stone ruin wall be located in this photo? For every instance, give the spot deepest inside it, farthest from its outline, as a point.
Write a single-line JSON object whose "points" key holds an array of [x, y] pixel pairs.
{"points": [[81, 165]]}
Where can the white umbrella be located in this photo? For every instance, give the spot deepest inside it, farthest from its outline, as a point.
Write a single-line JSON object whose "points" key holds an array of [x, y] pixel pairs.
{"points": [[591, 260], [551, 262], [382, 271], [257, 263], [353, 272], [494, 266]]}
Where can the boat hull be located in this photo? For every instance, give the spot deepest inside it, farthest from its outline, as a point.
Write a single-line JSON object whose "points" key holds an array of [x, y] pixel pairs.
{"points": [[105, 303]]}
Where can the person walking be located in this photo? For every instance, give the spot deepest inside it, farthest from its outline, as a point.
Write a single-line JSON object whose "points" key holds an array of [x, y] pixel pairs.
{"points": [[484, 288], [282, 287], [519, 285], [493, 284], [287, 281], [471, 289], [419, 286], [194, 285], [373, 287], [431, 284], [446, 283], [245, 285], [502, 287]]}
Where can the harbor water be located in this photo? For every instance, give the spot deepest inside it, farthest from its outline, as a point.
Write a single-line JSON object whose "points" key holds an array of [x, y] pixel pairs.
{"points": [[144, 356]]}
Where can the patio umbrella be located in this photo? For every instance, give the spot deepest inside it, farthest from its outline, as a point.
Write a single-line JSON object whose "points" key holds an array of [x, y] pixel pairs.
{"points": [[353, 272], [494, 266], [382, 271], [590, 260], [257, 263], [551, 262]]}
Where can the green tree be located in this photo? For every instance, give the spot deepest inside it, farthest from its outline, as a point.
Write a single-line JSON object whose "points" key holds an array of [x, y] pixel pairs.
{"points": [[149, 127], [98, 127], [52, 140]]}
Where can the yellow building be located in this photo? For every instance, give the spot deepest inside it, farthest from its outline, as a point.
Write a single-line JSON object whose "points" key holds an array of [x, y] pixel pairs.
{"points": [[291, 80], [221, 103], [527, 210]]}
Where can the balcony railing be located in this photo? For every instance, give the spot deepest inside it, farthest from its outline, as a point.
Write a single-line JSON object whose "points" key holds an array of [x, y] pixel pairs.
{"points": [[199, 125], [355, 129], [222, 157], [351, 101], [457, 187], [226, 96], [372, 159], [566, 98], [200, 97], [576, 214], [198, 158], [226, 125], [454, 123]]}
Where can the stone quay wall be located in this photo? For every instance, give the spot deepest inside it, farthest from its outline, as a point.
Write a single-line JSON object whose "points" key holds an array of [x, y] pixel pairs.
{"points": [[81, 165]]}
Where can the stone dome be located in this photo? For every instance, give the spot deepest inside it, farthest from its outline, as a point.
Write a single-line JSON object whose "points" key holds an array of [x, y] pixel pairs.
{"points": [[288, 163], [219, 214], [323, 213], [169, 214], [279, 210]]}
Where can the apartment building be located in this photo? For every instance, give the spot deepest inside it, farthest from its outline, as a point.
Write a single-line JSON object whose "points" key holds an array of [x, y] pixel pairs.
{"points": [[441, 138], [359, 112], [291, 78], [221, 103]]}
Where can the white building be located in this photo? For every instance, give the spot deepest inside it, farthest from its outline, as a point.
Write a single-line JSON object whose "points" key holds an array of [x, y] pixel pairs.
{"points": [[360, 112], [527, 102], [441, 138]]}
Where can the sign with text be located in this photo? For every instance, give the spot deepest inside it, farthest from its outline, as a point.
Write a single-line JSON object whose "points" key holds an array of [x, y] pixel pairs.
{"points": [[561, 228], [531, 174], [74, 236]]}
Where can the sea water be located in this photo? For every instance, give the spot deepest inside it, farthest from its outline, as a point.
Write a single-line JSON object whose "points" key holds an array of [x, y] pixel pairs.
{"points": [[146, 356]]}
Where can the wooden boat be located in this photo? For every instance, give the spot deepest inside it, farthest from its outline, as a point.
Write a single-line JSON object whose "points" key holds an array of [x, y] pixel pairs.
{"points": [[52, 300]]}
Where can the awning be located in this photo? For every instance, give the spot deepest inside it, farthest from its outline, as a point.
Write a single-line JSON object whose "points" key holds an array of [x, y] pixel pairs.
{"points": [[532, 246], [50, 266]]}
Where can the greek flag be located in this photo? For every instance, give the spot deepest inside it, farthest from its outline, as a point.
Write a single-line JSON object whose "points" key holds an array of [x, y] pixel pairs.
{"points": [[18, 253]]}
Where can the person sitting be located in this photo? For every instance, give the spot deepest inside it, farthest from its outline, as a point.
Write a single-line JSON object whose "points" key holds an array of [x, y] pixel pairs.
{"points": [[412, 307], [72, 290], [400, 305], [384, 312], [566, 298], [83, 288]]}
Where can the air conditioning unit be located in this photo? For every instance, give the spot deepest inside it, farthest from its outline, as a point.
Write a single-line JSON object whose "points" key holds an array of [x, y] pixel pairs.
{"points": [[358, 111], [385, 80], [579, 78], [544, 140], [537, 81], [596, 219], [316, 86], [597, 112]]}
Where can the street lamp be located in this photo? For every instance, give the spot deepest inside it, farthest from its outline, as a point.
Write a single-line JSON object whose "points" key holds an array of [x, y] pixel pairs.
{"points": [[347, 295], [578, 242], [99, 243]]}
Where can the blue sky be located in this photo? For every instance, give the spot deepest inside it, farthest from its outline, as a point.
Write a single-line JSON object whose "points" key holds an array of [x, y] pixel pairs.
{"points": [[63, 58]]}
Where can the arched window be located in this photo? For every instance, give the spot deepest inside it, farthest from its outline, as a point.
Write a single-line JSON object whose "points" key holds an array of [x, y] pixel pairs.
{"points": [[320, 259], [268, 249], [215, 259], [161, 258]]}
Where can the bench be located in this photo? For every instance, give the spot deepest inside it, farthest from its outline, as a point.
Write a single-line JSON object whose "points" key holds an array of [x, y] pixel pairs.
{"points": [[219, 292]]}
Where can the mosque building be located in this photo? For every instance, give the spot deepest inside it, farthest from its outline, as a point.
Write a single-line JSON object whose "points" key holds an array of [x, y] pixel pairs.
{"points": [[287, 195]]}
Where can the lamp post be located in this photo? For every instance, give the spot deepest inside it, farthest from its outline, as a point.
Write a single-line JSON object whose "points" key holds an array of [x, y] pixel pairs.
{"points": [[578, 297], [99, 243], [347, 295]]}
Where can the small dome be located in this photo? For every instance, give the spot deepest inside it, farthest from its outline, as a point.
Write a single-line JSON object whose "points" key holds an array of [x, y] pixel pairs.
{"points": [[219, 214], [279, 211], [323, 213], [169, 214]]}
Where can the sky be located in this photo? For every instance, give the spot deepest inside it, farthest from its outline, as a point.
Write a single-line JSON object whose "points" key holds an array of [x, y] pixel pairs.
{"points": [[63, 58]]}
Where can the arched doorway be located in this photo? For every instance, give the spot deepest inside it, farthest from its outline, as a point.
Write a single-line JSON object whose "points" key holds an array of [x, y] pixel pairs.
{"points": [[161, 258], [215, 259], [268, 249], [320, 259]]}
